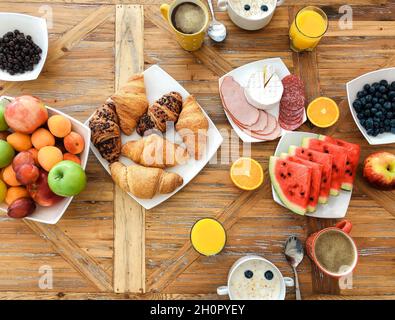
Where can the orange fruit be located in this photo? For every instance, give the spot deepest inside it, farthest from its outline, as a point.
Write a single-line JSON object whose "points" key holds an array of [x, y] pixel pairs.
{"points": [[323, 112], [72, 157], [9, 177], [59, 126], [34, 153], [19, 141], [246, 173], [15, 193], [42, 138], [49, 156]]}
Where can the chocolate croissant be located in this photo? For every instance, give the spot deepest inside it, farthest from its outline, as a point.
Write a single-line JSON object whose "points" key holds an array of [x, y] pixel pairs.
{"points": [[166, 109], [105, 132]]}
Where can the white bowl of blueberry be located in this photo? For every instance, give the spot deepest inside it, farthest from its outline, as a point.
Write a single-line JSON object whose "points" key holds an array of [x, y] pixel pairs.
{"points": [[371, 98], [23, 46]]}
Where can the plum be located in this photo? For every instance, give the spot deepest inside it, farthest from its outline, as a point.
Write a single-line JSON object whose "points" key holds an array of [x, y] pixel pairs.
{"points": [[27, 174], [24, 157], [21, 208]]}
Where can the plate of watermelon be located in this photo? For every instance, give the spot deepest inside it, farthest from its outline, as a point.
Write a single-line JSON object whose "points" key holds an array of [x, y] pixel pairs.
{"points": [[314, 174]]}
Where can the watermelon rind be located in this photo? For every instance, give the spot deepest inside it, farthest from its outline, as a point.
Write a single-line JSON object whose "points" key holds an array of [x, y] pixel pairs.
{"points": [[291, 206]]}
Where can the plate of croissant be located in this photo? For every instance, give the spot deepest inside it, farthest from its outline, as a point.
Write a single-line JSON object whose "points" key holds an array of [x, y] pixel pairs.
{"points": [[152, 137]]}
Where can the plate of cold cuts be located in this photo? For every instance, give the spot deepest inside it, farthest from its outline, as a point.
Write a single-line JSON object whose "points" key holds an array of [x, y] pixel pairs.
{"points": [[263, 100]]}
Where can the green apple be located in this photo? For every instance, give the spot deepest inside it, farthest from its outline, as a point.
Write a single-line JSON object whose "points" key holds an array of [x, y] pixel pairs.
{"points": [[67, 179], [6, 153], [3, 123]]}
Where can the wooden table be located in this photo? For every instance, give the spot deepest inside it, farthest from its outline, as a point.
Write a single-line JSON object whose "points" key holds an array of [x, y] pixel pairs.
{"points": [[93, 46]]}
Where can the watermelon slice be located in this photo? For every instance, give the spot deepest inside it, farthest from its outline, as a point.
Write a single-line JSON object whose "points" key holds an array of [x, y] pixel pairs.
{"points": [[316, 174], [318, 157], [339, 160], [291, 181], [353, 152]]}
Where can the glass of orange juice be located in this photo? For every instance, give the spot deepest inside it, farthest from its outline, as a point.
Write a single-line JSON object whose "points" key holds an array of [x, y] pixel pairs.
{"points": [[307, 29], [208, 236]]}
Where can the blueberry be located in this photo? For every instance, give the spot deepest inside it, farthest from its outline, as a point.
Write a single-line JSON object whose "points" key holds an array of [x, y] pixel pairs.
{"points": [[366, 87], [369, 98], [378, 94], [390, 115], [387, 128], [387, 105], [383, 89], [369, 123], [248, 274], [362, 122], [373, 110], [375, 133], [247, 7], [393, 130], [360, 115], [372, 90], [375, 84], [369, 132], [392, 123], [379, 114], [377, 106], [357, 105], [391, 95], [381, 130], [375, 100], [384, 83], [367, 113], [269, 275], [264, 8], [393, 85], [363, 101], [360, 94]]}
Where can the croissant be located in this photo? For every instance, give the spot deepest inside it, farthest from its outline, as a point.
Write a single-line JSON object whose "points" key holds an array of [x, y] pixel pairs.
{"points": [[106, 134], [144, 182], [131, 103], [192, 126], [166, 109], [155, 151]]}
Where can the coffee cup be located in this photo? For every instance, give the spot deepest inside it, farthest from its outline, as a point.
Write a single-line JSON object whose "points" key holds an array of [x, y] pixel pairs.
{"points": [[250, 14], [333, 250], [189, 39], [255, 278]]}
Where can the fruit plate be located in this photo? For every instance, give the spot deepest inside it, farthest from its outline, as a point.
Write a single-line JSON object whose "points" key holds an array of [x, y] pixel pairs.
{"points": [[241, 75], [158, 83], [336, 206], [51, 215], [35, 27], [356, 85]]}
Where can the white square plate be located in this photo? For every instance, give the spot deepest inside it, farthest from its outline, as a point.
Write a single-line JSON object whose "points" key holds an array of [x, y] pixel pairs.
{"points": [[158, 83], [356, 85], [242, 75], [51, 215], [336, 206], [29, 25]]}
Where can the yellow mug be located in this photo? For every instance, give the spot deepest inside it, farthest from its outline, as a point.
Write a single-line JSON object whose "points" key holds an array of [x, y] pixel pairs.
{"points": [[189, 42]]}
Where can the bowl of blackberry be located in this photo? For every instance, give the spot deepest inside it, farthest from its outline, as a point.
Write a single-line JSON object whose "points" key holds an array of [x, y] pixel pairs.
{"points": [[371, 98], [23, 46]]}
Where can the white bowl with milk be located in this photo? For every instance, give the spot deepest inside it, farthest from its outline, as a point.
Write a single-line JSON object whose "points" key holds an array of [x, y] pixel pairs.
{"points": [[250, 14], [255, 278]]}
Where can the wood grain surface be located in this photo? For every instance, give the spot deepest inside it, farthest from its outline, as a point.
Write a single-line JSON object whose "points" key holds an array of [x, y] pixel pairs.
{"points": [[100, 247]]}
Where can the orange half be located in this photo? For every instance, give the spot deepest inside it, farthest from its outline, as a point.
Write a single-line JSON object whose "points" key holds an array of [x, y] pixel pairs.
{"points": [[246, 173], [323, 112]]}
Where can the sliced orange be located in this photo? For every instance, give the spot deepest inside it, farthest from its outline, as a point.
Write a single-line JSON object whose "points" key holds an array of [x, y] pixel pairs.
{"points": [[323, 112], [246, 173]]}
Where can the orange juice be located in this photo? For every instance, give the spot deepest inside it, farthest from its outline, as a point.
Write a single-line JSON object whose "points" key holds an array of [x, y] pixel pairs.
{"points": [[307, 29], [208, 237]]}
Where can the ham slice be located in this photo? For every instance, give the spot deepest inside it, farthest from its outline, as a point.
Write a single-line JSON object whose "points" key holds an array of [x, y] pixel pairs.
{"points": [[236, 104], [270, 127], [271, 136]]}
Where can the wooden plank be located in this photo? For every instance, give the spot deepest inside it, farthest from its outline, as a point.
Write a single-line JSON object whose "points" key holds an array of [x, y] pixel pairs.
{"points": [[129, 216], [72, 253]]}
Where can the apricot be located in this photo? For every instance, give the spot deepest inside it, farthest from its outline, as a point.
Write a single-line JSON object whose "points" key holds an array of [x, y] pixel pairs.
{"points": [[59, 126], [42, 138], [9, 177], [34, 153], [74, 143], [72, 157], [49, 156], [19, 141], [15, 193]]}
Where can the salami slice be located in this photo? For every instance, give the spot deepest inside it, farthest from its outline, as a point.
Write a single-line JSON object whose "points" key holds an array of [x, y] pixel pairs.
{"points": [[291, 126], [236, 104]]}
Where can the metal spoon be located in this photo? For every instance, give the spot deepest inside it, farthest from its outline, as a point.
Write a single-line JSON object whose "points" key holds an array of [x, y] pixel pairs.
{"points": [[294, 254], [216, 30]]}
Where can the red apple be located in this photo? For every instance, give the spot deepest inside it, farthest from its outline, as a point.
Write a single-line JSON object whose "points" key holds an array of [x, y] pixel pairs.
{"points": [[41, 193], [379, 170], [25, 114]]}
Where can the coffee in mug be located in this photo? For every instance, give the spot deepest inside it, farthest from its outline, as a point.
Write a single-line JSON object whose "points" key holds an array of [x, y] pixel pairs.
{"points": [[334, 251], [188, 18]]}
